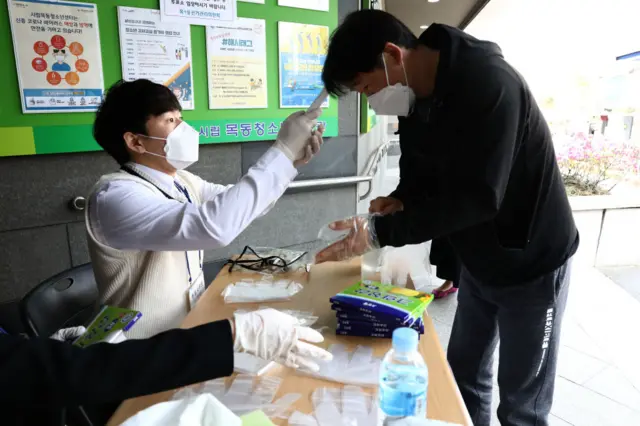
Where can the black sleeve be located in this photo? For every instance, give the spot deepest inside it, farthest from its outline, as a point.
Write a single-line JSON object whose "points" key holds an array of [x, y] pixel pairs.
{"points": [[402, 190], [45, 371], [493, 112]]}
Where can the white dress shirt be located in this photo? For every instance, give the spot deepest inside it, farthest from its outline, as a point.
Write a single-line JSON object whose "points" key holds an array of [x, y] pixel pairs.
{"points": [[127, 215]]}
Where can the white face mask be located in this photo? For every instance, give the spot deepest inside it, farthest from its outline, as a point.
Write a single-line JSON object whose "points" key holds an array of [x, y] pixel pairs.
{"points": [[393, 100], [182, 146]]}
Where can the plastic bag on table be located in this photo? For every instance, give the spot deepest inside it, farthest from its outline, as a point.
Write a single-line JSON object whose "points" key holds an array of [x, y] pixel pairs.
{"points": [[394, 265], [388, 265], [201, 410], [305, 318], [271, 260], [249, 291]]}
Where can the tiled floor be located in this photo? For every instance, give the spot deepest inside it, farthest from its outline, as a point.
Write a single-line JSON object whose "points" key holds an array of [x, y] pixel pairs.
{"points": [[598, 378]]}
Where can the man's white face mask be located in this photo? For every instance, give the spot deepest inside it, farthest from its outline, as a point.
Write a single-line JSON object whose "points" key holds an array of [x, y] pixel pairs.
{"points": [[182, 146], [393, 100]]}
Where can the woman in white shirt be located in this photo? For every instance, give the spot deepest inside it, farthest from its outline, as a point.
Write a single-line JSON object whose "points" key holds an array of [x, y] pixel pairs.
{"points": [[148, 223]]}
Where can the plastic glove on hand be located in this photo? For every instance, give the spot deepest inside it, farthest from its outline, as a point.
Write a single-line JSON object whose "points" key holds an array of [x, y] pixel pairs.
{"points": [[295, 134], [315, 142], [67, 334], [385, 205], [275, 336], [361, 239]]}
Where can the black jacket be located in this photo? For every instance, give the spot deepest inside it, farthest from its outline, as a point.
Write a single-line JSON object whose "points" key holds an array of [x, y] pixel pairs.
{"points": [[478, 165], [38, 377]]}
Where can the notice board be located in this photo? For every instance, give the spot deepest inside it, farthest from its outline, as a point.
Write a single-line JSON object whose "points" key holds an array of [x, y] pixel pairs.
{"points": [[29, 134]]}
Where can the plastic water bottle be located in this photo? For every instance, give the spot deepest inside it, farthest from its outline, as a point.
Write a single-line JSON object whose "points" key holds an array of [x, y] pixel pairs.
{"points": [[403, 381]]}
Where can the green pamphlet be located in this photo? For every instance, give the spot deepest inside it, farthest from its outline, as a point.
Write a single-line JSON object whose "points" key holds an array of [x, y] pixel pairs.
{"points": [[107, 325]]}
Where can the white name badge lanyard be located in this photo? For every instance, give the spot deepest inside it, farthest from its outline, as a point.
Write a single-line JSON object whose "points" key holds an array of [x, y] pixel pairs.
{"points": [[195, 277]]}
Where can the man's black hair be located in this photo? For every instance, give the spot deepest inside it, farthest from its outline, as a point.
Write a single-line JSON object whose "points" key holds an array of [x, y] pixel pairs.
{"points": [[357, 44], [126, 108]]}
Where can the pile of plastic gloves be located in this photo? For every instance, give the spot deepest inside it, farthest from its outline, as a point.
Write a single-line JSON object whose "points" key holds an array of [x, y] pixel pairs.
{"points": [[359, 367], [349, 406], [246, 394], [264, 290]]}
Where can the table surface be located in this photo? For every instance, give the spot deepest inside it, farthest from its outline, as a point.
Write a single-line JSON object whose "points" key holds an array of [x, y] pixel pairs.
{"points": [[323, 281]]}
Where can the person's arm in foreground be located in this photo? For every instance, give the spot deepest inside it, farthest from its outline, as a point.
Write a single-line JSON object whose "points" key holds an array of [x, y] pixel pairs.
{"points": [[211, 191], [495, 110], [48, 372], [171, 225]]}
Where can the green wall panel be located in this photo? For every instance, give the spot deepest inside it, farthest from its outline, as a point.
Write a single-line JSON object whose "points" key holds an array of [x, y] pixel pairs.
{"points": [[71, 132]]}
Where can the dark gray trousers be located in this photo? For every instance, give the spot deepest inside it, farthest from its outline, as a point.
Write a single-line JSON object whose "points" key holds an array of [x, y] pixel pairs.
{"points": [[526, 317]]}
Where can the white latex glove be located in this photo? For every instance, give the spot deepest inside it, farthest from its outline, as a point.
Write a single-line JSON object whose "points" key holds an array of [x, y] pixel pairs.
{"points": [[296, 134], [315, 142], [275, 336], [66, 334]]}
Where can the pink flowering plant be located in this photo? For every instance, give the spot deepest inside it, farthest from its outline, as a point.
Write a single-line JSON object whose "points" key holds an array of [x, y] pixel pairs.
{"points": [[594, 165]]}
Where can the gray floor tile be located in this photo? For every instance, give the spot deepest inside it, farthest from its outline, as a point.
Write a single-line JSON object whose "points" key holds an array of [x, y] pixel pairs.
{"points": [[613, 384], [633, 419], [444, 333], [557, 421], [580, 406], [575, 337], [444, 310], [578, 367], [627, 277]]}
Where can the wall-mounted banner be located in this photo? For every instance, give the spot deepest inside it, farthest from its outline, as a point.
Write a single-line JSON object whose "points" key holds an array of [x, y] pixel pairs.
{"points": [[198, 12], [157, 51], [302, 49], [212, 131], [57, 50], [321, 5], [237, 64]]}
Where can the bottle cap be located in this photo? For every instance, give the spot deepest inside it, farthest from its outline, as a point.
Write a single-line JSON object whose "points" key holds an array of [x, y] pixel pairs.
{"points": [[405, 339]]}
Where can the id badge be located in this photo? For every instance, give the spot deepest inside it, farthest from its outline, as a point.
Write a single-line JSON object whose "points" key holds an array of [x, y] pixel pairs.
{"points": [[195, 290]]}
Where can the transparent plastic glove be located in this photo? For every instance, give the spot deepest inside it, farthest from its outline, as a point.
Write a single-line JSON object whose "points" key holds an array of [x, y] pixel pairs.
{"points": [[274, 336], [361, 238], [296, 132], [68, 334], [385, 205]]}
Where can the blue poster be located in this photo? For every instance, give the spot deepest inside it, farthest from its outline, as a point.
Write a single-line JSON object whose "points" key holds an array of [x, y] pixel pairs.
{"points": [[302, 49]]}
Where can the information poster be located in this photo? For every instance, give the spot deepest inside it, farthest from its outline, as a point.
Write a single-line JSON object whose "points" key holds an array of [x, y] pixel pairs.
{"points": [[58, 58], [198, 12], [302, 49], [321, 5], [237, 64], [157, 51]]}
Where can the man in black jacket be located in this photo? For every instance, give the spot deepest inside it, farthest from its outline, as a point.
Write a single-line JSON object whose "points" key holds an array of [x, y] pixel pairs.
{"points": [[38, 377], [478, 168]]}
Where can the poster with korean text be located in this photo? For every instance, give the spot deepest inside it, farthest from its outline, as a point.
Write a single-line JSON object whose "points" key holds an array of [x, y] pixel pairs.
{"points": [[302, 49], [58, 58], [198, 12], [156, 51], [237, 64]]}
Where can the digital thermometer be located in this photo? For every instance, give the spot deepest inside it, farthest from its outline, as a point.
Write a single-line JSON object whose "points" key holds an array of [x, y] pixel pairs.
{"points": [[317, 103]]}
